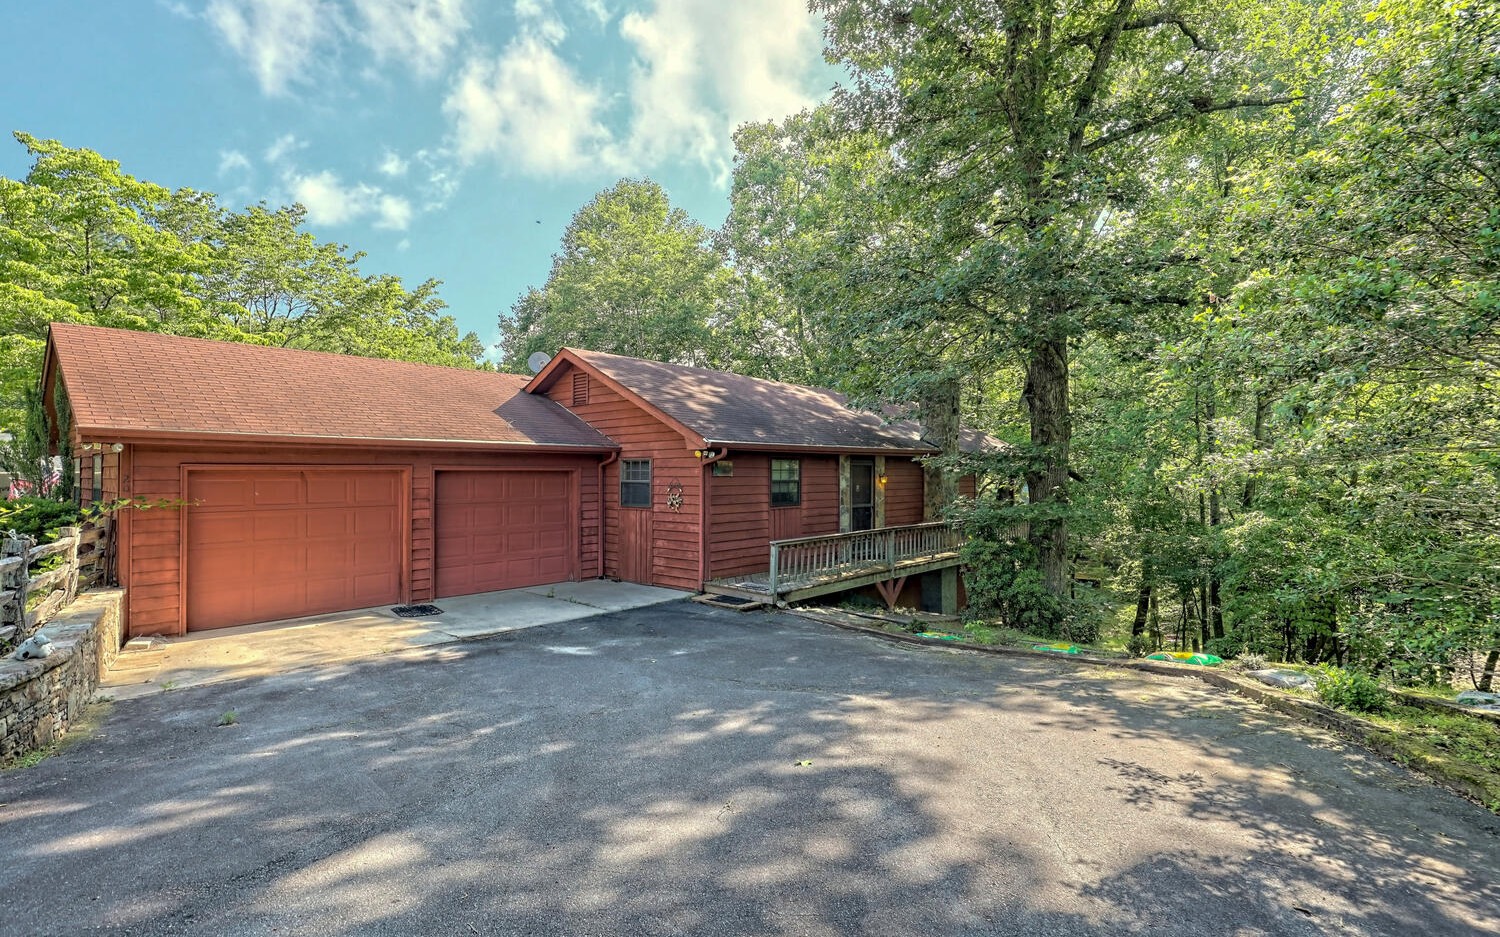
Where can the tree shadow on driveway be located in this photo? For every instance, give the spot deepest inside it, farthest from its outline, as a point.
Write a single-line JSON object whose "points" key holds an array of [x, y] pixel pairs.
{"points": [[680, 770]]}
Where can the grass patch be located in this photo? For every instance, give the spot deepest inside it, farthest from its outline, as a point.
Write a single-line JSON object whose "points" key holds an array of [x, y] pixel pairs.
{"points": [[31, 759], [1457, 736], [93, 714], [1452, 745]]}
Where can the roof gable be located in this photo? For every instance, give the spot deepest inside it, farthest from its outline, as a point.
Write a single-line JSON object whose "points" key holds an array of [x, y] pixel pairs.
{"points": [[123, 383]]}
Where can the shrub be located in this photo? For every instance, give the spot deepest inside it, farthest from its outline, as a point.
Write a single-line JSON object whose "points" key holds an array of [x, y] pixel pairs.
{"points": [[1139, 645], [36, 517], [1001, 585], [1352, 690]]}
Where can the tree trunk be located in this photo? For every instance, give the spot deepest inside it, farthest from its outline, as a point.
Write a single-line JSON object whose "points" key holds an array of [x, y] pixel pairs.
{"points": [[1487, 679], [1046, 396], [1142, 609], [1203, 615], [1262, 407], [938, 412], [1154, 620], [1213, 612]]}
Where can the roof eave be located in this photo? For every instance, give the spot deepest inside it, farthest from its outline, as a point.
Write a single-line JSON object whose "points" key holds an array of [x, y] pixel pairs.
{"points": [[144, 436], [765, 446]]}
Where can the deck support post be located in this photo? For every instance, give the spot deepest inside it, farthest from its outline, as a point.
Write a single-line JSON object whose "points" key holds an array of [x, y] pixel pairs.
{"points": [[949, 601], [890, 590]]}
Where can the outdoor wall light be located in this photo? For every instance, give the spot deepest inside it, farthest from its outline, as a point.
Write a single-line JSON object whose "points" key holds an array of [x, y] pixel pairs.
{"points": [[881, 480]]}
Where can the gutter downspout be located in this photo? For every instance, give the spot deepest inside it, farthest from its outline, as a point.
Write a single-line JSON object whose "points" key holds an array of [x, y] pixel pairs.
{"points": [[703, 485], [599, 547]]}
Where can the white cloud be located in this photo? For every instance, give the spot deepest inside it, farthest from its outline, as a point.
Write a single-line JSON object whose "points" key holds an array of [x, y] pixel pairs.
{"points": [[529, 107], [391, 164], [233, 161], [328, 200], [419, 33], [283, 41], [282, 147], [392, 212], [692, 84], [597, 9], [441, 177], [538, 19], [278, 39], [701, 68]]}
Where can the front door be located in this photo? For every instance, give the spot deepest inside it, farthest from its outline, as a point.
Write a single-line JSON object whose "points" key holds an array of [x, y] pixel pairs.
{"points": [[861, 494]]}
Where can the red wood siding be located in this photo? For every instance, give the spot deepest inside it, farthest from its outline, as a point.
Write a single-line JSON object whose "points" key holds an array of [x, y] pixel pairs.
{"points": [[903, 492], [150, 545], [672, 534], [742, 521]]}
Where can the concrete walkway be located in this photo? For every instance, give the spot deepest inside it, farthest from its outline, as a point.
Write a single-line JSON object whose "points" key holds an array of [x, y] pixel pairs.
{"points": [[153, 665]]}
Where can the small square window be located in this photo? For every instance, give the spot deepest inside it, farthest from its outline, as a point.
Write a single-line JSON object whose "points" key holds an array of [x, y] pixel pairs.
{"points": [[786, 483], [635, 483]]}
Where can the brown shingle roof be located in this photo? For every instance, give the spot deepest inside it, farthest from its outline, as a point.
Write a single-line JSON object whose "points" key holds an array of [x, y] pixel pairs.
{"points": [[730, 409], [126, 382]]}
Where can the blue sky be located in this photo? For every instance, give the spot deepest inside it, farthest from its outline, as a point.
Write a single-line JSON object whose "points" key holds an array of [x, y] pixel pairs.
{"points": [[446, 138]]}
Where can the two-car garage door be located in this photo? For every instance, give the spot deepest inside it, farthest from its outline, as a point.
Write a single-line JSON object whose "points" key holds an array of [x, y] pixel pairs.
{"points": [[266, 544]]}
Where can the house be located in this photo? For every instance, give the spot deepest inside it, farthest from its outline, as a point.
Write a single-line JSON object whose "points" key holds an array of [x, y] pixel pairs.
{"points": [[272, 483]]}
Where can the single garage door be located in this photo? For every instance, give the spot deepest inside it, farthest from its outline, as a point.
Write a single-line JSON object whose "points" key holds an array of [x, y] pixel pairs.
{"points": [[502, 530], [266, 544]]}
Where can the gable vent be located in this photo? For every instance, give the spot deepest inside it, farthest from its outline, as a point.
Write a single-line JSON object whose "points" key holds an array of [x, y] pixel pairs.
{"points": [[580, 388]]}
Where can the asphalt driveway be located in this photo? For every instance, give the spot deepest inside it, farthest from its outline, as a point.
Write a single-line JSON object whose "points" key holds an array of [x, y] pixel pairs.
{"points": [[682, 770]]}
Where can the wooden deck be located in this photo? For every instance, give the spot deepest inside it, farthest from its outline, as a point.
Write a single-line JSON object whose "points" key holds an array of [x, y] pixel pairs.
{"points": [[807, 567]]}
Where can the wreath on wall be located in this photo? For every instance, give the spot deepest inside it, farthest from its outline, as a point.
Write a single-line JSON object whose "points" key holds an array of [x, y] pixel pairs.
{"points": [[674, 495]]}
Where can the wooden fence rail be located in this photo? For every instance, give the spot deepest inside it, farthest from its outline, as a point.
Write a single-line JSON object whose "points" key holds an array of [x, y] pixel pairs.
{"points": [[85, 562], [805, 558]]}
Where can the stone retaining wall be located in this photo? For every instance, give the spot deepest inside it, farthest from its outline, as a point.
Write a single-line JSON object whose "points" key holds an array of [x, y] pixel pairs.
{"points": [[39, 699]]}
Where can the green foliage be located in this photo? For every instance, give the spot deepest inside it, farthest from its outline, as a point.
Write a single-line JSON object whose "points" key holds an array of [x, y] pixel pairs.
{"points": [[635, 276], [82, 241], [1001, 579], [1353, 690], [1140, 645], [37, 517]]}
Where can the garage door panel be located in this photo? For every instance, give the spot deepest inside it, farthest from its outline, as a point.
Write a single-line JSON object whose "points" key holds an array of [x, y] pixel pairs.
{"points": [[265, 544], [494, 530], [374, 489], [222, 529], [329, 490], [211, 493], [280, 490], [330, 523]]}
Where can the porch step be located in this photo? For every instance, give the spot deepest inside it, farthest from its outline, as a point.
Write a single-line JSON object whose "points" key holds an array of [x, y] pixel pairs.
{"points": [[737, 602]]}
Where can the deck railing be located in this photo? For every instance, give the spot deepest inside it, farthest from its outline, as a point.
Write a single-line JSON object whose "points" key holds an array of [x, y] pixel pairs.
{"points": [[805, 558]]}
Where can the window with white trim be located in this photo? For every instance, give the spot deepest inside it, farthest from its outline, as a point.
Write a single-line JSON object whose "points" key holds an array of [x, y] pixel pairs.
{"points": [[635, 483]]}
